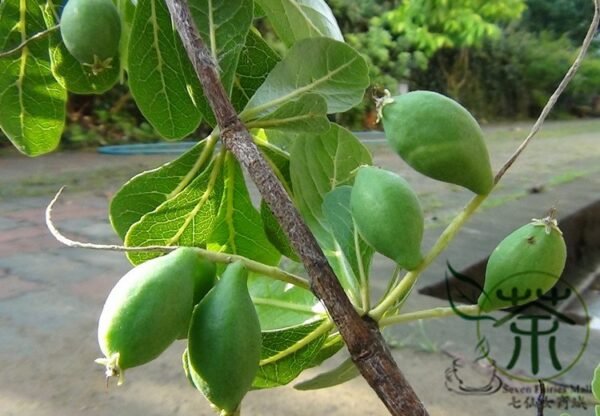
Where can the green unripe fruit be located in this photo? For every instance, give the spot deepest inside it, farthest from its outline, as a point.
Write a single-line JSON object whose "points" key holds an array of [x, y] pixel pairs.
{"points": [[525, 265], [146, 311], [224, 341], [91, 30], [439, 138], [388, 215]]}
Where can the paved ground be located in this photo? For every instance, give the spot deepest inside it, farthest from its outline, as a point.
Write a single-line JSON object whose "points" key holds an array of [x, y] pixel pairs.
{"points": [[51, 296]]}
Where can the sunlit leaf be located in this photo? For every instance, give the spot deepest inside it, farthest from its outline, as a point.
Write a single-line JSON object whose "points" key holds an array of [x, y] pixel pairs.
{"points": [[337, 72], [238, 228], [286, 353], [186, 219], [281, 305], [161, 78], [146, 191], [294, 20], [32, 102]]}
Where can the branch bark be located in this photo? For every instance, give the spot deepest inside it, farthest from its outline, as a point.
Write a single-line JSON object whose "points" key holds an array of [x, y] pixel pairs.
{"points": [[363, 339]]}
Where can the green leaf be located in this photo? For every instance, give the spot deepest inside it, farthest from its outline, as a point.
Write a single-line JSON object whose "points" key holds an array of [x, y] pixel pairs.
{"points": [[69, 72], [145, 192], [275, 233], [223, 24], [287, 352], [161, 78], [257, 59], [186, 219], [238, 228], [336, 71], [281, 305], [596, 383], [32, 102], [307, 114], [344, 372], [336, 209], [294, 20], [319, 164], [332, 345]]}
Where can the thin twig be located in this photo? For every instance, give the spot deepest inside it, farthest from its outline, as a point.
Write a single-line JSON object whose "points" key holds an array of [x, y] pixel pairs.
{"points": [[559, 90], [213, 256], [37, 36]]}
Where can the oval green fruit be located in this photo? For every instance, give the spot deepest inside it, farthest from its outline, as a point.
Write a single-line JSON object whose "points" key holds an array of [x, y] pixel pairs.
{"points": [[525, 265], [91, 30], [439, 138], [388, 215], [146, 311], [224, 341]]}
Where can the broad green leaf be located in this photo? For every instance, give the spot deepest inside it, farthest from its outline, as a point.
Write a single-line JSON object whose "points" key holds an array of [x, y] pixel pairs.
{"points": [[257, 59], [596, 383], [344, 372], [307, 114], [238, 228], [330, 347], [281, 305], [287, 352], [336, 209], [69, 72], [294, 20], [336, 71], [161, 77], [319, 164], [32, 102], [186, 219], [145, 192], [275, 233], [224, 24]]}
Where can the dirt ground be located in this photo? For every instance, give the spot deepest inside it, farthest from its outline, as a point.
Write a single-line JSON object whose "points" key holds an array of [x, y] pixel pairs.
{"points": [[51, 296]]}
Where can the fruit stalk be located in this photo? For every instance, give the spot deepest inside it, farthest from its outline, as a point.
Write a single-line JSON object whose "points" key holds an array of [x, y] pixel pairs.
{"points": [[365, 343]]}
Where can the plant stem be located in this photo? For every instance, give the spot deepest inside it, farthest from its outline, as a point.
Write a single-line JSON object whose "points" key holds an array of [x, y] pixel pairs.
{"points": [[400, 292], [224, 258], [440, 312], [25, 42], [364, 281], [365, 343]]}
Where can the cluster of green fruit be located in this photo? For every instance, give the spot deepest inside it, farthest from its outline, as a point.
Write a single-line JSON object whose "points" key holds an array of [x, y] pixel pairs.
{"points": [[83, 23], [174, 297], [440, 139]]}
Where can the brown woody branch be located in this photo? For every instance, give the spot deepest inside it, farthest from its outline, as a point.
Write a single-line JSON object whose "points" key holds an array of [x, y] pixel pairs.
{"points": [[363, 339]]}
